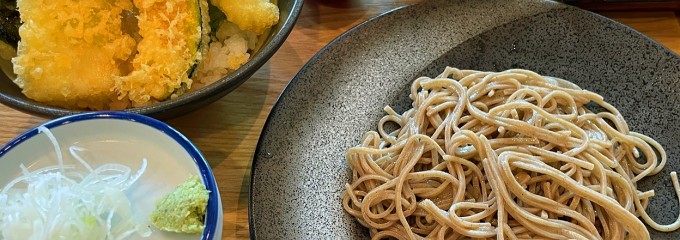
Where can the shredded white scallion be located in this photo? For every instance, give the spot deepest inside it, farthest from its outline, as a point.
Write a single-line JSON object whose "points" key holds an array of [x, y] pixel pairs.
{"points": [[60, 202]]}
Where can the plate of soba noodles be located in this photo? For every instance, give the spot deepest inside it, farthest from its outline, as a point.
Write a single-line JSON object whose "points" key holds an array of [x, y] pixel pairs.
{"points": [[475, 120]]}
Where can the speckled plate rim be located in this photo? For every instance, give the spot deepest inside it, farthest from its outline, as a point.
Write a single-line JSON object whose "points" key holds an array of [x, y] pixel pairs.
{"points": [[211, 220], [322, 51], [258, 148]]}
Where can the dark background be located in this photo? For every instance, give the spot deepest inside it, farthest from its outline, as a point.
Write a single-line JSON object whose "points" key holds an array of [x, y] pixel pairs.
{"points": [[625, 5]]}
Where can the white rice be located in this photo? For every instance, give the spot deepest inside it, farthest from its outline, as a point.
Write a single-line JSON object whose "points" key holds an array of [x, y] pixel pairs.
{"points": [[227, 51]]}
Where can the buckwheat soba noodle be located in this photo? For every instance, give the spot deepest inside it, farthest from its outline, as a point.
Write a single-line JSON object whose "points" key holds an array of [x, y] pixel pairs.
{"points": [[503, 155]]}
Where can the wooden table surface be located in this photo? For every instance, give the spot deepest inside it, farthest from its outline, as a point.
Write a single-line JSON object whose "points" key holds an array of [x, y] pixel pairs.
{"points": [[227, 130]]}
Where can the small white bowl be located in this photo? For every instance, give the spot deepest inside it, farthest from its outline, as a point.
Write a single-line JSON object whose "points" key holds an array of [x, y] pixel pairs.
{"points": [[124, 138]]}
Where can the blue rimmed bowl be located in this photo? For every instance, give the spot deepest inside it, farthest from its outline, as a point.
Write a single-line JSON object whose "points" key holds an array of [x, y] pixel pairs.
{"points": [[123, 138]]}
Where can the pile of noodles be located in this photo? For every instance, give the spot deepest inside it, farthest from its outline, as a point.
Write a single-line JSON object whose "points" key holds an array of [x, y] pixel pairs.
{"points": [[503, 155]]}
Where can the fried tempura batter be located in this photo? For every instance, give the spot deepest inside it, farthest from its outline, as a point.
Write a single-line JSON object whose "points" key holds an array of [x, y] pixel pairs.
{"points": [[116, 54], [249, 15], [171, 33], [69, 53]]}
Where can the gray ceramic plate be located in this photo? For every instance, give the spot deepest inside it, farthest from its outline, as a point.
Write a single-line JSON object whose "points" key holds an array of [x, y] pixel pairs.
{"points": [[299, 168]]}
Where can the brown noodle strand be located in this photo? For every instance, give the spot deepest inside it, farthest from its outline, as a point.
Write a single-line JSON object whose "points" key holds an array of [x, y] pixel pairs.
{"points": [[503, 155]]}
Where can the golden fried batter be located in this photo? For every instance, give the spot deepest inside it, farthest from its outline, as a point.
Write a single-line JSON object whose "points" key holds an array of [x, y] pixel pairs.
{"points": [[249, 15], [114, 54], [171, 33], [69, 52]]}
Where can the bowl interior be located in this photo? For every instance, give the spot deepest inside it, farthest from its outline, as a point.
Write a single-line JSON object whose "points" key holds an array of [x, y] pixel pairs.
{"points": [[10, 93], [113, 141]]}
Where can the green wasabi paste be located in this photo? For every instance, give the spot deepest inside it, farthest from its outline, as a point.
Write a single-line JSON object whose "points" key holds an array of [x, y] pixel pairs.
{"points": [[183, 210]]}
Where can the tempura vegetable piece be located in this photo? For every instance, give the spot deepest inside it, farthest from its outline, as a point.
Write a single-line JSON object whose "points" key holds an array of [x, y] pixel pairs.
{"points": [[183, 210], [249, 15], [70, 51], [171, 36]]}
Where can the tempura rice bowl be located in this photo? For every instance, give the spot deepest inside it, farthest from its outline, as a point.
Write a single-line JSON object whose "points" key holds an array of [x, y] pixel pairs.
{"points": [[11, 95]]}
